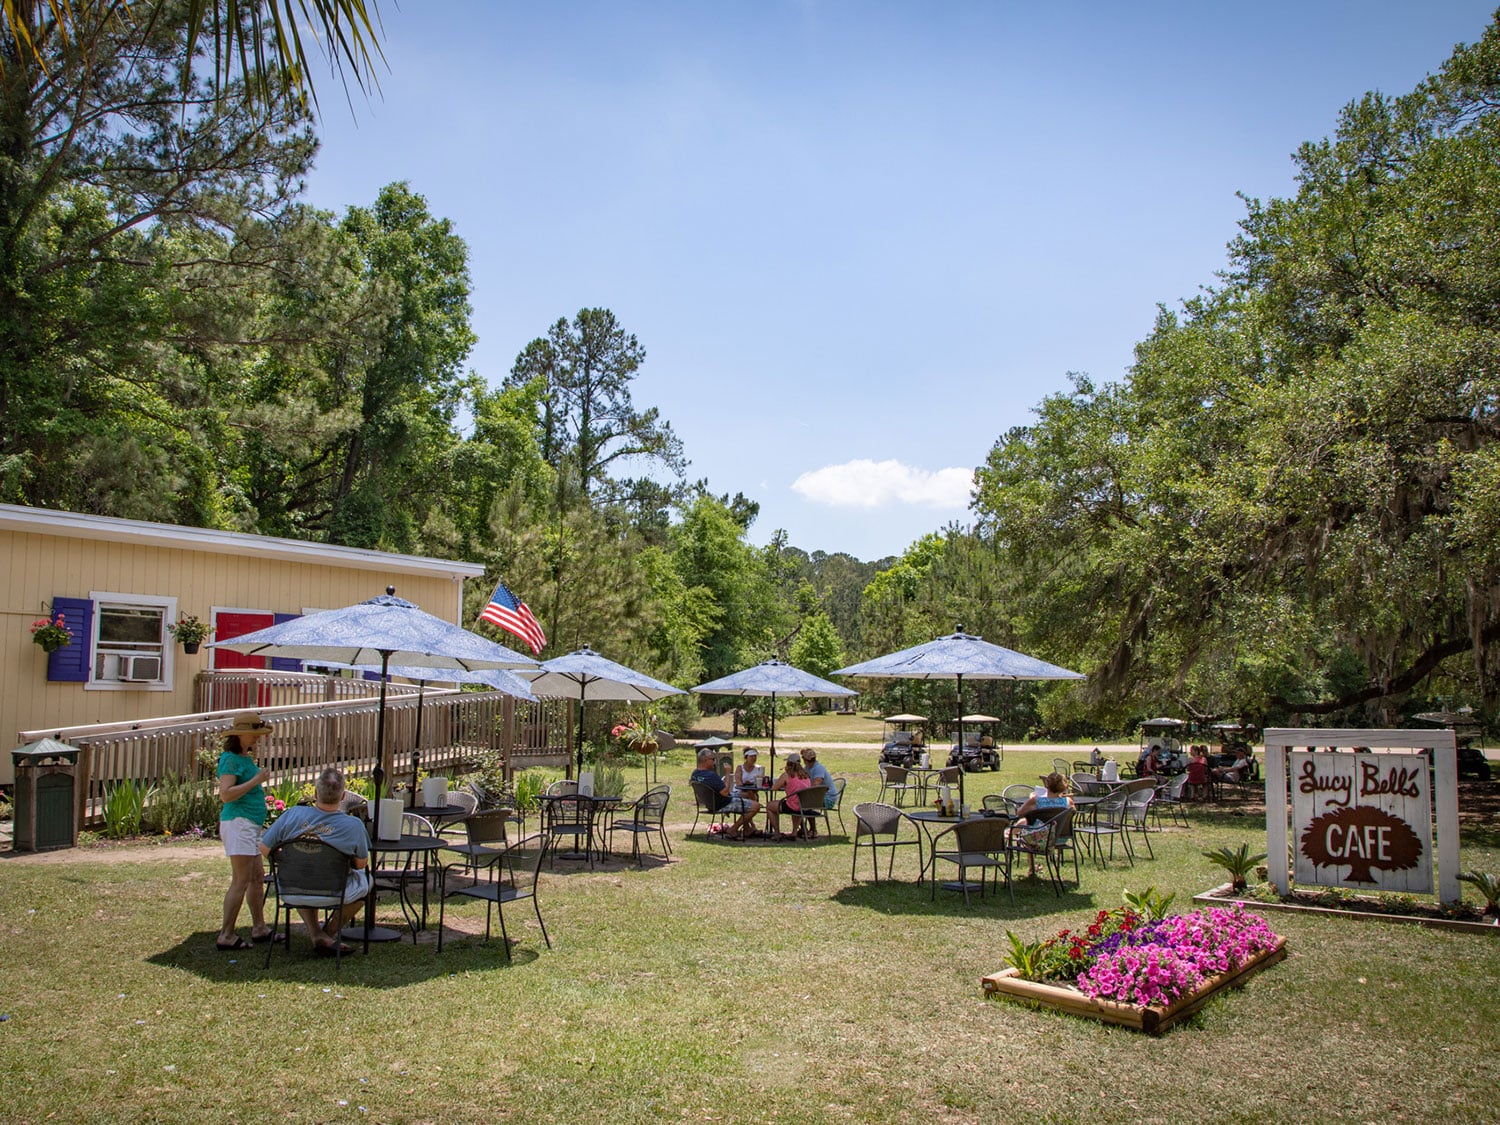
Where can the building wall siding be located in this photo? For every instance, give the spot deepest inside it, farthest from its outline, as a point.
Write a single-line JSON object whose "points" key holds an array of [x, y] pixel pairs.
{"points": [[36, 567]]}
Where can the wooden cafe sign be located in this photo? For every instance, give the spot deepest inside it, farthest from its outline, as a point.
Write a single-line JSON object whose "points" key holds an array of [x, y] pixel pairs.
{"points": [[1362, 818]]}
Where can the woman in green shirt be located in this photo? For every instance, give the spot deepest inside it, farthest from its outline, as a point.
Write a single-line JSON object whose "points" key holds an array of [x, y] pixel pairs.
{"points": [[241, 822]]}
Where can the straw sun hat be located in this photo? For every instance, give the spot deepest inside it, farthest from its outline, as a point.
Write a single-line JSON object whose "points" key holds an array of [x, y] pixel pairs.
{"points": [[249, 724]]}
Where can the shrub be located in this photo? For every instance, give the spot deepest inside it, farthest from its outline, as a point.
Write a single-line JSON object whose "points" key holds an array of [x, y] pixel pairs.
{"points": [[179, 804]]}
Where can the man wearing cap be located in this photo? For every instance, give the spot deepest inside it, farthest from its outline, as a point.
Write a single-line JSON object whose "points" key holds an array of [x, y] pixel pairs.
{"points": [[707, 774], [240, 823], [818, 773], [327, 820]]}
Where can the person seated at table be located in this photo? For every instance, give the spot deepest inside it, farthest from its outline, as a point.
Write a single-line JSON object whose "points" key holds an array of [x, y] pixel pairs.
{"points": [[1235, 772], [1056, 798], [792, 781], [818, 774], [749, 780], [1150, 765], [1197, 771], [325, 819], [725, 800]]}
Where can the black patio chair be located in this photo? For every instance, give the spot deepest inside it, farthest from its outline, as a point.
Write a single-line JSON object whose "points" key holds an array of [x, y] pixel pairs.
{"points": [[308, 871], [511, 876]]}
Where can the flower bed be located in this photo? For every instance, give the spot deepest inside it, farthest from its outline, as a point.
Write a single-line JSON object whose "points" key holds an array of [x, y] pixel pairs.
{"points": [[1146, 973]]}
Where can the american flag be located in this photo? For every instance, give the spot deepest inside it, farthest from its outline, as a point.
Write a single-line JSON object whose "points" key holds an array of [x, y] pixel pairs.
{"points": [[506, 611]]}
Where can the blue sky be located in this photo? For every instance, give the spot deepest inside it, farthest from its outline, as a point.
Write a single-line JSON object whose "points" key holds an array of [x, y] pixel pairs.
{"points": [[858, 241]]}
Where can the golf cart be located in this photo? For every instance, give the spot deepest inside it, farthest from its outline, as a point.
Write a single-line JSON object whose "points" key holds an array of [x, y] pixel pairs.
{"points": [[979, 751], [1164, 736], [902, 746], [1465, 727]]}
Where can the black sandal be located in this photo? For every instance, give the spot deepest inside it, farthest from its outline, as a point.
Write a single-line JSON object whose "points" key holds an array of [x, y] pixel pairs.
{"points": [[274, 936], [237, 944]]}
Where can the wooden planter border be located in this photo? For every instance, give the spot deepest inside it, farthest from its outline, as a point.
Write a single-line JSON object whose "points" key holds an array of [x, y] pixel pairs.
{"points": [[1152, 1020], [1214, 898]]}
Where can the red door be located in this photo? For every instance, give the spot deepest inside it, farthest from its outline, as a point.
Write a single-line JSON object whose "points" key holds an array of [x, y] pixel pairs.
{"points": [[227, 626]]}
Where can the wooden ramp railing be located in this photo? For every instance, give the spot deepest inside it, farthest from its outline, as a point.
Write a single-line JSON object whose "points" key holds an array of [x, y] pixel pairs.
{"points": [[306, 736]]}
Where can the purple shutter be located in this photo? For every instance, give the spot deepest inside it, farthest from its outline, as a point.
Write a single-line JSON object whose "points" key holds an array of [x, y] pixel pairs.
{"points": [[70, 664], [286, 663]]}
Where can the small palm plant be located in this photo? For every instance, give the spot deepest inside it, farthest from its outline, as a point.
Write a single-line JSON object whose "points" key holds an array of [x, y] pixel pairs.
{"points": [[1487, 884], [1239, 862]]}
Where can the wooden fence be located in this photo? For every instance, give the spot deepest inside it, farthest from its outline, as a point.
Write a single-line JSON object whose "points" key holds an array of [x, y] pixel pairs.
{"points": [[456, 726]]}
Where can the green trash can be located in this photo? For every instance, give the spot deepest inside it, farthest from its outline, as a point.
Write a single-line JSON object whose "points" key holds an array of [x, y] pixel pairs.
{"points": [[45, 795]]}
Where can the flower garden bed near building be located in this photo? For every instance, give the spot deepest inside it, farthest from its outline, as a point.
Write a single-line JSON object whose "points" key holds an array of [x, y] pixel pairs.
{"points": [[1359, 907], [1139, 973]]}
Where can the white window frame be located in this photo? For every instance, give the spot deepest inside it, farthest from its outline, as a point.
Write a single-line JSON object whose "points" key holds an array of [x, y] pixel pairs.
{"points": [[168, 606]]}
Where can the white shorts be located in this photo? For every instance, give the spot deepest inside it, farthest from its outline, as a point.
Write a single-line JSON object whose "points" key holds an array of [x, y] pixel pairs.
{"points": [[240, 836], [357, 885]]}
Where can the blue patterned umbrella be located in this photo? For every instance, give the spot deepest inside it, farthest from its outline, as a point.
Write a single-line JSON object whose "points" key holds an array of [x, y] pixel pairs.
{"points": [[772, 678], [586, 675], [380, 632], [953, 657]]}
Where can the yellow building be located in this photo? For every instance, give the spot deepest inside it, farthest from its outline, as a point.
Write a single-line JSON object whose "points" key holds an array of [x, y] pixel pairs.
{"points": [[120, 583]]}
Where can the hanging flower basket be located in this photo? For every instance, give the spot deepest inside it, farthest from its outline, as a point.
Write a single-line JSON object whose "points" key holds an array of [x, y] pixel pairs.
{"points": [[190, 632], [50, 633]]}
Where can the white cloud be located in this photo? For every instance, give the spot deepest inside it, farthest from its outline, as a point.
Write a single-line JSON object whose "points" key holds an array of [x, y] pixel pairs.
{"points": [[878, 484]]}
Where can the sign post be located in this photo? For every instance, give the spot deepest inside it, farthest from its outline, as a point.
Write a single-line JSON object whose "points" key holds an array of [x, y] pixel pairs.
{"points": [[1362, 819]]}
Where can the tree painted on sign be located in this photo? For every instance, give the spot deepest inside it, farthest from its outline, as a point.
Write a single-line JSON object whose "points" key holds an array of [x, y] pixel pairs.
{"points": [[1365, 839]]}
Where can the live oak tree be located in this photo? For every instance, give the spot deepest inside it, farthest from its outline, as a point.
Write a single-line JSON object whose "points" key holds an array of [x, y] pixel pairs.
{"points": [[1289, 505]]}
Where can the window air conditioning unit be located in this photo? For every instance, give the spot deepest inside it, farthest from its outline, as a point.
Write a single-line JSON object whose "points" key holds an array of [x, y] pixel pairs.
{"points": [[140, 668]]}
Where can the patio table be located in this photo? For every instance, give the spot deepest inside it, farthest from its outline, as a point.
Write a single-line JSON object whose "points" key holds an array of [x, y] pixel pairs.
{"points": [[929, 823], [423, 846]]}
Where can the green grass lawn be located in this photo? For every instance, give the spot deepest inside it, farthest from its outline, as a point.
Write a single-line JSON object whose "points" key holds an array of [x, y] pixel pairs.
{"points": [[736, 983]]}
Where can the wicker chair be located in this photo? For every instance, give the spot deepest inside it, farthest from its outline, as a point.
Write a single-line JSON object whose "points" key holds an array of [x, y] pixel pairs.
{"points": [[1037, 841], [982, 843], [878, 826]]}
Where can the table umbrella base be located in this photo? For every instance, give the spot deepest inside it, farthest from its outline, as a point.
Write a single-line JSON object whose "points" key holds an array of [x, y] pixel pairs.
{"points": [[961, 885], [377, 933]]}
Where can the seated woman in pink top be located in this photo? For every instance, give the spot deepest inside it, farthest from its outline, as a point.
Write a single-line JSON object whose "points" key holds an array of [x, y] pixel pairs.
{"points": [[792, 782]]}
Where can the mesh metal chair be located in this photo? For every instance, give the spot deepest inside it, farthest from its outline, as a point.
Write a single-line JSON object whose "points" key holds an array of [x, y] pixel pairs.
{"points": [[837, 808], [511, 876], [570, 818], [974, 843], [486, 838], [1062, 836], [1036, 841], [1015, 796], [1108, 821], [893, 780], [1169, 798], [1138, 804], [995, 802], [706, 799], [309, 872], [878, 826], [643, 817]]}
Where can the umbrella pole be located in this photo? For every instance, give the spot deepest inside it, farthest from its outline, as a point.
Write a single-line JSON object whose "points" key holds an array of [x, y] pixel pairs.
{"points": [[379, 775], [772, 774], [421, 688], [961, 798], [583, 690]]}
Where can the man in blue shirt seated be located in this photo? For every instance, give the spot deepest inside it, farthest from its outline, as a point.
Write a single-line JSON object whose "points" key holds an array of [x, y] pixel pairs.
{"points": [[707, 774], [325, 820], [819, 774]]}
